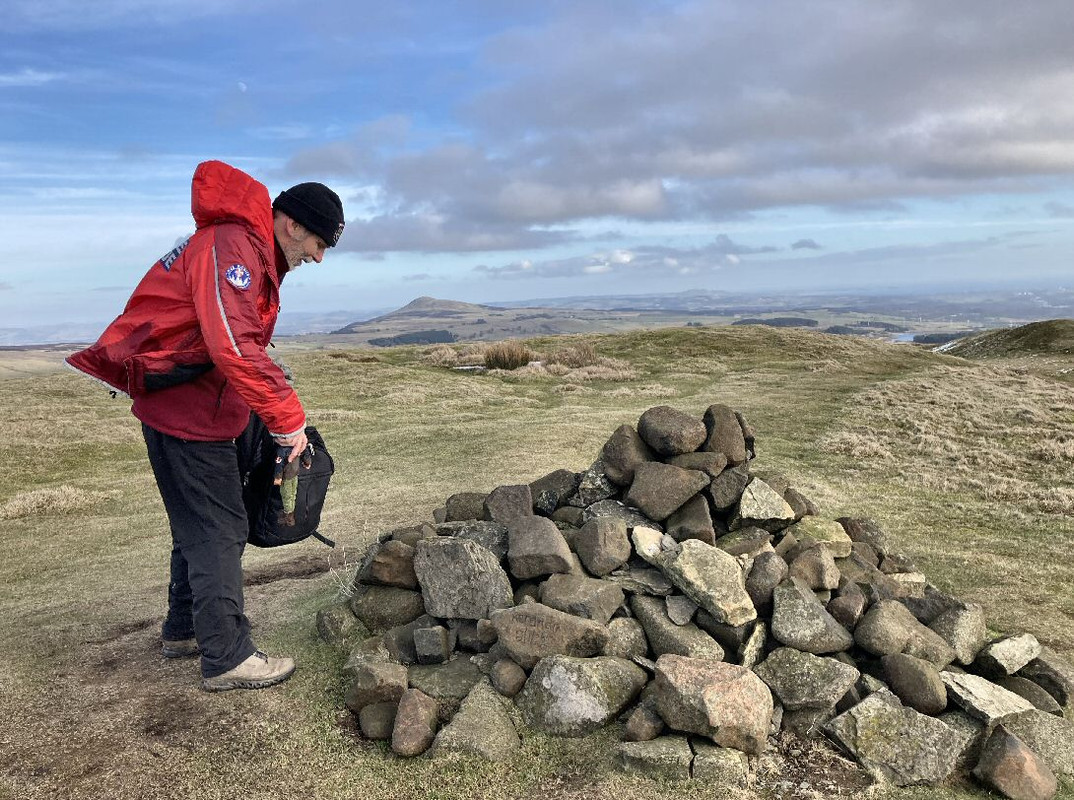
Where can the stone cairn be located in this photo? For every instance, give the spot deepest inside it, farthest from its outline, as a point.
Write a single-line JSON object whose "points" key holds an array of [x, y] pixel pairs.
{"points": [[707, 608]]}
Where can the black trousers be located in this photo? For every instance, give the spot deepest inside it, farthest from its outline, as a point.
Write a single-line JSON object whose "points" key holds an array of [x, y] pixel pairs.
{"points": [[201, 486]]}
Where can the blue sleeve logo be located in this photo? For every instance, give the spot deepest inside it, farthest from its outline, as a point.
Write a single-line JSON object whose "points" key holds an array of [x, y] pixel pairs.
{"points": [[238, 276]]}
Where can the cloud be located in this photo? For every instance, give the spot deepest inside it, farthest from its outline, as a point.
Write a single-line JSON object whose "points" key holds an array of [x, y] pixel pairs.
{"points": [[652, 261], [418, 276], [806, 244], [1059, 210], [590, 117], [28, 77], [434, 233]]}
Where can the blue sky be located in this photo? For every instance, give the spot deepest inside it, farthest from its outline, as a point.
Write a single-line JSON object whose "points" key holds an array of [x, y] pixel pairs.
{"points": [[504, 150]]}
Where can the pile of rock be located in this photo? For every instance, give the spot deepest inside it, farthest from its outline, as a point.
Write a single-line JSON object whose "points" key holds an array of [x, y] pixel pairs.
{"points": [[706, 607]]}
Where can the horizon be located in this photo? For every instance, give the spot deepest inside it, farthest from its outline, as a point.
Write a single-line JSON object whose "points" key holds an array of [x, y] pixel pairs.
{"points": [[498, 153]]}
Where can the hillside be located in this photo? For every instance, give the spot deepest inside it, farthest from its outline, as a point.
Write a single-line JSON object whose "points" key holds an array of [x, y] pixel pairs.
{"points": [[967, 467], [1054, 336]]}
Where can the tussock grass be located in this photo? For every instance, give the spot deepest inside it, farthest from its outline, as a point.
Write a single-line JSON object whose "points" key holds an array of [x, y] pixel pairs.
{"points": [[44, 502], [508, 355]]}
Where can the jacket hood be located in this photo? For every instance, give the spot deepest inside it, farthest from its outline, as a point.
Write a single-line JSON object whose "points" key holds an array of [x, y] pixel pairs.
{"points": [[222, 193]]}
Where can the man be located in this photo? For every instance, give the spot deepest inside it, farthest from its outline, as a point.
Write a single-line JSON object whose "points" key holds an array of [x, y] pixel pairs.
{"points": [[189, 349]]}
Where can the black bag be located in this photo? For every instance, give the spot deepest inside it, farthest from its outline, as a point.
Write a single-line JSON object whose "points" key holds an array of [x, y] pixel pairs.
{"points": [[269, 525]]}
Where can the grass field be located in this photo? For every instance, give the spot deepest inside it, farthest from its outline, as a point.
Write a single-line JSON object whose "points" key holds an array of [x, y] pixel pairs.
{"points": [[967, 465]]}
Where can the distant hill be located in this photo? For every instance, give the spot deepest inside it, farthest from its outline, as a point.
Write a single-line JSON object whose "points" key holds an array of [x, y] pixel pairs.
{"points": [[1054, 336]]}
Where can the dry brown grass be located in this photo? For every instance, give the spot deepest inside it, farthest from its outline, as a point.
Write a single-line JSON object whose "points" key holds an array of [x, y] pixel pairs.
{"points": [[440, 356], [508, 355], [59, 500], [577, 354]]}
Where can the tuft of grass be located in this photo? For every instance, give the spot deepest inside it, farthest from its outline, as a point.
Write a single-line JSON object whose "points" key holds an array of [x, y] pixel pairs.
{"points": [[440, 356], [508, 355], [577, 354], [55, 501]]}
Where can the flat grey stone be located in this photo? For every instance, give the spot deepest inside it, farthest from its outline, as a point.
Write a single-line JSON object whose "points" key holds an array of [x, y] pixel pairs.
{"points": [[680, 608], [800, 621], [490, 535], [589, 598], [664, 636], [981, 698], [803, 680], [761, 506], [529, 632], [824, 531], [482, 727], [614, 509], [460, 579], [641, 580], [1006, 656], [667, 758], [712, 579], [720, 767]]}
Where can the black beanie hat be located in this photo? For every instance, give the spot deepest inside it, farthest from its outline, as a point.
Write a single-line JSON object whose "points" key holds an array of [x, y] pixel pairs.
{"points": [[315, 207]]}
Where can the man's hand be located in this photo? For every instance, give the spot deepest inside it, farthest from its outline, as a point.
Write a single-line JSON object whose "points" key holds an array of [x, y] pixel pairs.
{"points": [[297, 443]]}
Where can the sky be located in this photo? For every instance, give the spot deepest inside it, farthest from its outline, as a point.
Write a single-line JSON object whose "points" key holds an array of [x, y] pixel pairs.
{"points": [[503, 150]]}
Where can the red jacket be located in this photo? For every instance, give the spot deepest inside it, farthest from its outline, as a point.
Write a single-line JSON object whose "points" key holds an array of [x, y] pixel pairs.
{"points": [[189, 348]]}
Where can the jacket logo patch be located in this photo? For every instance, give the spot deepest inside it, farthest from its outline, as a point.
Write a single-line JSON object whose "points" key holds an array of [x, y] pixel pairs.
{"points": [[238, 276], [168, 259]]}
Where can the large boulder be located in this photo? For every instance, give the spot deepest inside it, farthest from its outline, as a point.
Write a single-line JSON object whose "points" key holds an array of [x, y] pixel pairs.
{"points": [[763, 507], [590, 598], [460, 579], [800, 621], [712, 579], [692, 521], [664, 636], [659, 490], [535, 548], [389, 563], [622, 453], [896, 743], [802, 680], [963, 627], [570, 696], [1006, 656], [916, 682], [602, 545], [1011, 768], [482, 727], [529, 632], [727, 703], [382, 607], [725, 434], [671, 432], [1051, 737]]}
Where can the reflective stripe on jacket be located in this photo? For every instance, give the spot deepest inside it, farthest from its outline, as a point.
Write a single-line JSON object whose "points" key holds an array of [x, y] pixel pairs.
{"points": [[189, 347]]}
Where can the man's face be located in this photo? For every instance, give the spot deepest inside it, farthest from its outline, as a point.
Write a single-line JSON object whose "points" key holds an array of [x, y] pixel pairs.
{"points": [[300, 246]]}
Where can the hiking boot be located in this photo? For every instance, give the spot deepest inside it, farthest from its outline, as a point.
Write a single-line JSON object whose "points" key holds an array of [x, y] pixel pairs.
{"points": [[179, 648], [256, 672]]}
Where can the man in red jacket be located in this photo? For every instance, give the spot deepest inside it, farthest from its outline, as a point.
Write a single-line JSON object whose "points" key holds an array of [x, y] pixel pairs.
{"points": [[189, 349]]}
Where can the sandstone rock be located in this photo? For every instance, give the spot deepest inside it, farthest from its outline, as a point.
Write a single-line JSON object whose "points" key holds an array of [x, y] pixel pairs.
{"points": [[861, 529], [1006, 656], [643, 725], [593, 486], [916, 683], [465, 506], [377, 720], [1054, 674], [433, 645], [415, 724], [507, 677], [964, 629], [671, 432], [769, 571], [666, 758], [553, 490], [816, 568], [824, 531], [802, 505], [1049, 736], [1011, 768], [490, 535], [971, 733], [461, 579], [724, 434], [763, 507], [622, 453], [569, 696], [692, 521], [530, 632], [712, 579], [389, 563], [744, 541], [727, 703], [885, 629], [412, 534], [661, 489], [801, 622], [726, 488], [896, 743], [848, 605], [802, 680], [680, 608], [602, 545], [337, 626], [720, 767], [981, 698], [482, 727], [1023, 687], [712, 464], [626, 639], [370, 649], [640, 580], [664, 636], [376, 682], [505, 504], [569, 515], [753, 649], [589, 598], [535, 548], [382, 607]]}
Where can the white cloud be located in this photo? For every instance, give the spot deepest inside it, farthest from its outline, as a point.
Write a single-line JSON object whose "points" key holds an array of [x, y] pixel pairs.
{"points": [[28, 77]]}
